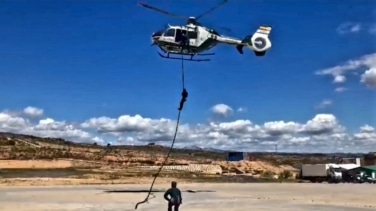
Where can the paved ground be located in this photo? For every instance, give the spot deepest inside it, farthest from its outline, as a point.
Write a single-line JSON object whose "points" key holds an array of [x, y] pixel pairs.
{"points": [[229, 197]]}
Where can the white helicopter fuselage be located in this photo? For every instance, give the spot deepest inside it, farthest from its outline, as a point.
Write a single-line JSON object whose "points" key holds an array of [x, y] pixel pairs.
{"points": [[200, 39]]}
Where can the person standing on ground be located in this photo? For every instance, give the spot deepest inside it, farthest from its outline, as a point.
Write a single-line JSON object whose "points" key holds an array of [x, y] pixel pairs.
{"points": [[173, 196]]}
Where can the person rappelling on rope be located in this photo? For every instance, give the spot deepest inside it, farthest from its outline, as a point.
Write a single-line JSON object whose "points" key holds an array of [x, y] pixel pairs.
{"points": [[184, 96], [173, 196]]}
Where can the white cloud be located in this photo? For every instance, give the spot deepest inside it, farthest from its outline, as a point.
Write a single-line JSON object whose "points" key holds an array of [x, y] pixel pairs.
{"points": [[321, 124], [45, 127], [353, 27], [12, 123], [241, 110], [338, 79], [366, 65], [98, 140], [366, 136], [324, 104], [33, 111], [222, 110], [340, 89], [349, 27], [369, 77], [322, 133]]}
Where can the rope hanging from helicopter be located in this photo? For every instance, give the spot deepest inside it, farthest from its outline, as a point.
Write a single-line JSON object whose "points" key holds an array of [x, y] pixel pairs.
{"points": [[182, 101], [191, 20]]}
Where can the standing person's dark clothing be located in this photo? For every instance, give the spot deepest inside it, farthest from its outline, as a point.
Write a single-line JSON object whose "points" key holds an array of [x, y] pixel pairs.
{"points": [[184, 39], [173, 196]]}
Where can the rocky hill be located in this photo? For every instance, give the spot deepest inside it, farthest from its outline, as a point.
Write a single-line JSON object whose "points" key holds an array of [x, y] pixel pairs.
{"points": [[17, 147], [25, 147]]}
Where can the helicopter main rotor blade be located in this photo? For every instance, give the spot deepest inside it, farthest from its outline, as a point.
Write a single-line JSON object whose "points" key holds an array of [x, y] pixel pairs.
{"points": [[212, 9], [160, 11], [224, 29]]}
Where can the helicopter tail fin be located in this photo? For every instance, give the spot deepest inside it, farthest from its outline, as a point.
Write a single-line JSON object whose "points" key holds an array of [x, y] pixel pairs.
{"points": [[259, 42], [264, 30]]}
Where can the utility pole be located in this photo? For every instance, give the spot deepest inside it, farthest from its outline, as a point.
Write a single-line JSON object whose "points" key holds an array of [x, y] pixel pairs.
{"points": [[276, 147]]}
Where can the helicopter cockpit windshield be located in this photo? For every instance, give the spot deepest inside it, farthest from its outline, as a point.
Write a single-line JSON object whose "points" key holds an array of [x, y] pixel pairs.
{"points": [[157, 34], [169, 33]]}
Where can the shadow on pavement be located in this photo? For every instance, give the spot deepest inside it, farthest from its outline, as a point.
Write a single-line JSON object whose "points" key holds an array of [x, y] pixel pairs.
{"points": [[154, 191]]}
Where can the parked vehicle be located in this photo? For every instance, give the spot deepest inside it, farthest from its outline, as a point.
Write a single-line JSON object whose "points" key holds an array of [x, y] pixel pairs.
{"points": [[331, 173], [364, 178]]}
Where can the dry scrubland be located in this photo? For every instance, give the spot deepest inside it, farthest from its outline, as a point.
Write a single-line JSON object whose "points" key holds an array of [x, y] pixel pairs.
{"points": [[28, 160]]}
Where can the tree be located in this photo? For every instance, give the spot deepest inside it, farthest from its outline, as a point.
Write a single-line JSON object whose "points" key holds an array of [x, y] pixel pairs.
{"points": [[285, 174]]}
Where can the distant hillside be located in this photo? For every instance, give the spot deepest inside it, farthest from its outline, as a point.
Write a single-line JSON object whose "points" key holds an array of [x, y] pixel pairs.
{"points": [[22, 147], [18, 146]]}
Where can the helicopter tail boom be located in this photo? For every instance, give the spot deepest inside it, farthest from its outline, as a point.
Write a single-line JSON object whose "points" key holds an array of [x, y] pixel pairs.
{"points": [[259, 42]]}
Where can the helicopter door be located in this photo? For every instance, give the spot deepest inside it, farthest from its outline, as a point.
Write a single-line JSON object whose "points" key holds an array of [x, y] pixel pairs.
{"points": [[193, 35], [179, 36]]}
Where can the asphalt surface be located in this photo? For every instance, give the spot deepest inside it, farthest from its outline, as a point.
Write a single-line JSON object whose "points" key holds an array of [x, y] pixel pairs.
{"points": [[229, 197]]}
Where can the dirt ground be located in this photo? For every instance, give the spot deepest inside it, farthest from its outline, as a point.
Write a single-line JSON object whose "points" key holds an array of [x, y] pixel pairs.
{"points": [[35, 164], [48, 182], [255, 168], [71, 185], [78, 172], [229, 197]]}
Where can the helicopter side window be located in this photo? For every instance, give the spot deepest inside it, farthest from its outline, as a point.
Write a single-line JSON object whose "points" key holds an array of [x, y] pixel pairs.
{"points": [[192, 35], [169, 33]]}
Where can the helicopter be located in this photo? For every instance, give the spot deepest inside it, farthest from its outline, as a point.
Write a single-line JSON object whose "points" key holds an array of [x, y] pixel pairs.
{"points": [[193, 38]]}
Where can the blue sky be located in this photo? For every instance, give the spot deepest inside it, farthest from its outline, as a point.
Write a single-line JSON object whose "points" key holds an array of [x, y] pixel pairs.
{"points": [[79, 59]]}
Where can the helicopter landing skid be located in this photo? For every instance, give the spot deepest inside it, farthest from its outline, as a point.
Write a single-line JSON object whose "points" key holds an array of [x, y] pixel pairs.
{"points": [[167, 56]]}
